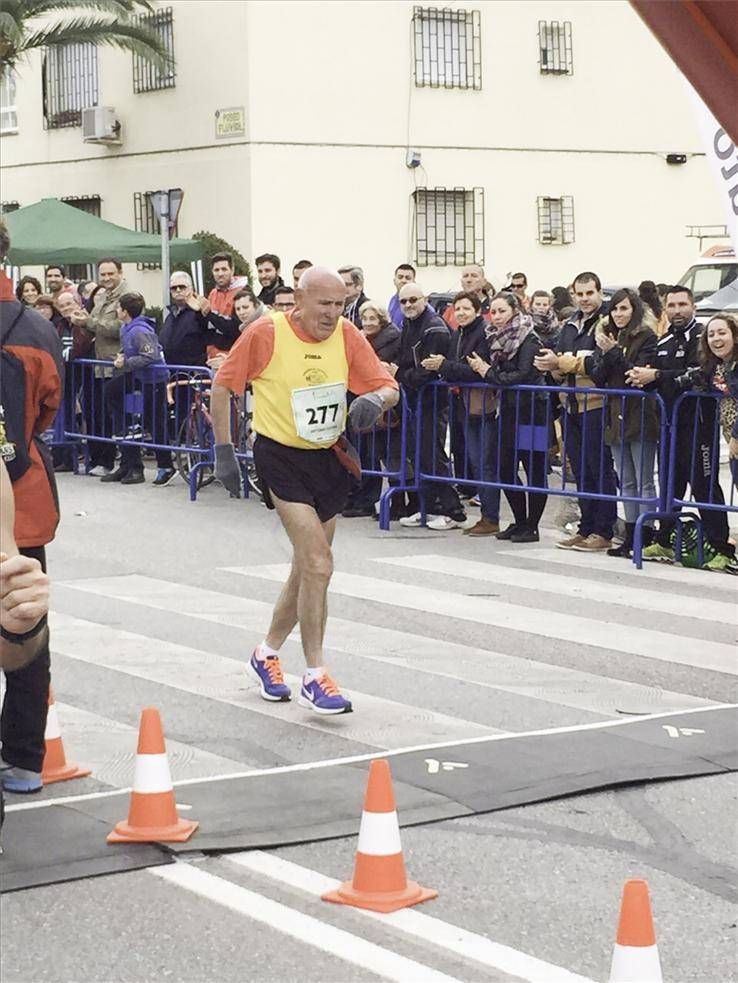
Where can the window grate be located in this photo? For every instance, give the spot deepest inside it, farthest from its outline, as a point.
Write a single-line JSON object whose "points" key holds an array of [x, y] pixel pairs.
{"points": [[69, 81], [556, 221], [8, 206], [148, 77], [145, 219], [8, 107], [91, 205], [449, 226], [448, 48], [554, 44]]}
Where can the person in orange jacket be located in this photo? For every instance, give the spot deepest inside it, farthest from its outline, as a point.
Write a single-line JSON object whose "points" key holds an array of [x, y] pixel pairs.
{"points": [[32, 367]]}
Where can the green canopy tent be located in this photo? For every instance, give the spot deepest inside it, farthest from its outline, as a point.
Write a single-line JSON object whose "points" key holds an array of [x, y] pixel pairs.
{"points": [[52, 232]]}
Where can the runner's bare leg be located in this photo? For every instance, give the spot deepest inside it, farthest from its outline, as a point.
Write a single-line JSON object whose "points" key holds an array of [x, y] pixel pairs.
{"points": [[304, 596]]}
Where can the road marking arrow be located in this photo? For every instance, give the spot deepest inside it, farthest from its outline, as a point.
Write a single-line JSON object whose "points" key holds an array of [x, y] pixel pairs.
{"points": [[681, 731], [435, 766]]}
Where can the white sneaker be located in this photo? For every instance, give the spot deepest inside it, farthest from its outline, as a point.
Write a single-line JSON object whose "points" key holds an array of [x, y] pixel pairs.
{"points": [[99, 471], [410, 521], [444, 523]]}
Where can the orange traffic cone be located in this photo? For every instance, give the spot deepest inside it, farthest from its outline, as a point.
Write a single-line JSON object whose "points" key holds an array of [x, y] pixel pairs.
{"points": [[152, 813], [379, 882], [635, 958], [56, 768]]}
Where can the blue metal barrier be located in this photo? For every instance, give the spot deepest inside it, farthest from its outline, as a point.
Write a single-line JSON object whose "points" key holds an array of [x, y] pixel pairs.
{"points": [[408, 448], [385, 449], [520, 427]]}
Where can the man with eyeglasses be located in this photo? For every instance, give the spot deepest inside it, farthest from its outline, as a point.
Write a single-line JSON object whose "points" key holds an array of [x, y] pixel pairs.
{"points": [[284, 299], [424, 333]]}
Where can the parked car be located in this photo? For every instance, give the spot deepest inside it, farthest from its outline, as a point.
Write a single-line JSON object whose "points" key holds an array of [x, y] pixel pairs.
{"points": [[722, 301]]}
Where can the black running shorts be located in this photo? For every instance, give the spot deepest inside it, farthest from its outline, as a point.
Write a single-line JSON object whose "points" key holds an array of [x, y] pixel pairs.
{"points": [[316, 478]]}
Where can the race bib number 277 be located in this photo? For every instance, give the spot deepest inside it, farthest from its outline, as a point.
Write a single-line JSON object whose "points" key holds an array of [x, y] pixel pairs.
{"points": [[320, 412]]}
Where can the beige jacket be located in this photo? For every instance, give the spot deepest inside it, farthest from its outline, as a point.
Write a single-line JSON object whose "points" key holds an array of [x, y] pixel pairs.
{"points": [[573, 363], [104, 324]]}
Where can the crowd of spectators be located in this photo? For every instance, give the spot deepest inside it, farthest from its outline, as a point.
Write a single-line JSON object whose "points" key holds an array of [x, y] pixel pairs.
{"points": [[558, 344]]}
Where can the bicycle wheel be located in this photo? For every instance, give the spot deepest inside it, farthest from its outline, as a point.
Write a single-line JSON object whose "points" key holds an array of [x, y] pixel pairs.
{"points": [[194, 433], [245, 446]]}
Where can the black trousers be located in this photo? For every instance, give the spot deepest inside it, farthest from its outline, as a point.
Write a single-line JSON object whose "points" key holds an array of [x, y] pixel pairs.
{"points": [[697, 466], [441, 498], [97, 418], [526, 512], [23, 719]]}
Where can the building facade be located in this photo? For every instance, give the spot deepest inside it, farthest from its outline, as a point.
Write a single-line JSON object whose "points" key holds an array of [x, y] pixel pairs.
{"points": [[546, 137]]}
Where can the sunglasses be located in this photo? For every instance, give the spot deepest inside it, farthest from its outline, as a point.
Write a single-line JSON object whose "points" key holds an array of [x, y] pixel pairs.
{"points": [[410, 300], [179, 286]]}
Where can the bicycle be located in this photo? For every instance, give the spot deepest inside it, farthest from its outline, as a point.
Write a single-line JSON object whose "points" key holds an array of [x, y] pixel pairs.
{"points": [[196, 434]]}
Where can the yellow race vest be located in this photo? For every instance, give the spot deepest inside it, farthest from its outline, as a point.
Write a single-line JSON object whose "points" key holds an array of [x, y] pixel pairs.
{"points": [[300, 397]]}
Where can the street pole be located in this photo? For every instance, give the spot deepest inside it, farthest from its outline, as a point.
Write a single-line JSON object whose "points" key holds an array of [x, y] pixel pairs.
{"points": [[164, 227]]}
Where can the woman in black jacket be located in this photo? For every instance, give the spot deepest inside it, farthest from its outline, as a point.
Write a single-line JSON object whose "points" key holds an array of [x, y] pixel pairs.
{"points": [[477, 406], [513, 345], [631, 423]]}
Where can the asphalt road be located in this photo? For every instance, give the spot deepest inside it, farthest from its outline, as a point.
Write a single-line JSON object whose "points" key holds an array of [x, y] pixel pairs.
{"points": [[452, 639]]}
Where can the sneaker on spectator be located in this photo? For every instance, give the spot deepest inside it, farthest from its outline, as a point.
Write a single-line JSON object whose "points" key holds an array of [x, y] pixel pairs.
{"points": [[134, 432], [164, 476], [271, 681], [443, 523], [593, 544], [322, 696], [99, 471], [20, 780], [720, 563], [658, 552], [134, 477], [571, 543], [411, 521], [483, 527]]}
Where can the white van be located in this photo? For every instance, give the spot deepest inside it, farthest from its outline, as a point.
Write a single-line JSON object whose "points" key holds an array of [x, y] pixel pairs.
{"points": [[714, 270]]}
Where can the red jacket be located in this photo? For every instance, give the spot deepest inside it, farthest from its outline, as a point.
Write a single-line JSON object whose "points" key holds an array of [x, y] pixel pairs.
{"points": [[35, 343]]}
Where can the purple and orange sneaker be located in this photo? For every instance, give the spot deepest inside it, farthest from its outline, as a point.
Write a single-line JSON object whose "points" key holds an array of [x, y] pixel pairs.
{"points": [[271, 681], [322, 696]]}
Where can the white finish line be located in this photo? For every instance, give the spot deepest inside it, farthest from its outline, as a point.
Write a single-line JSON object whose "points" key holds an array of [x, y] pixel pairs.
{"points": [[313, 932], [373, 755], [414, 922]]}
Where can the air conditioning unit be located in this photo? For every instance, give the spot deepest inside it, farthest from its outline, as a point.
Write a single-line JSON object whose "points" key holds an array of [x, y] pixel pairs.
{"points": [[99, 125]]}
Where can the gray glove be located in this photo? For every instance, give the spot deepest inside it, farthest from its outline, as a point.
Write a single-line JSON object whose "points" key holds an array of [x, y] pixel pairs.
{"points": [[365, 411], [227, 470]]}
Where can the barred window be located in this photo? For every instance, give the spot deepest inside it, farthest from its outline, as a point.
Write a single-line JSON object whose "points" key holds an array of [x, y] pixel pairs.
{"points": [[448, 48], [449, 226], [554, 43], [8, 206], [148, 77], [69, 82], [145, 219], [91, 205], [8, 108], [556, 221]]}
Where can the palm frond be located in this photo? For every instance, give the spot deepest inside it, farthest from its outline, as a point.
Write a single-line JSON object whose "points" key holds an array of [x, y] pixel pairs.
{"points": [[138, 38], [116, 8]]}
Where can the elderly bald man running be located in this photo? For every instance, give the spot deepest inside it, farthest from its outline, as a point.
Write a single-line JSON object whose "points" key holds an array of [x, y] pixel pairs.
{"points": [[301, 365]]}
